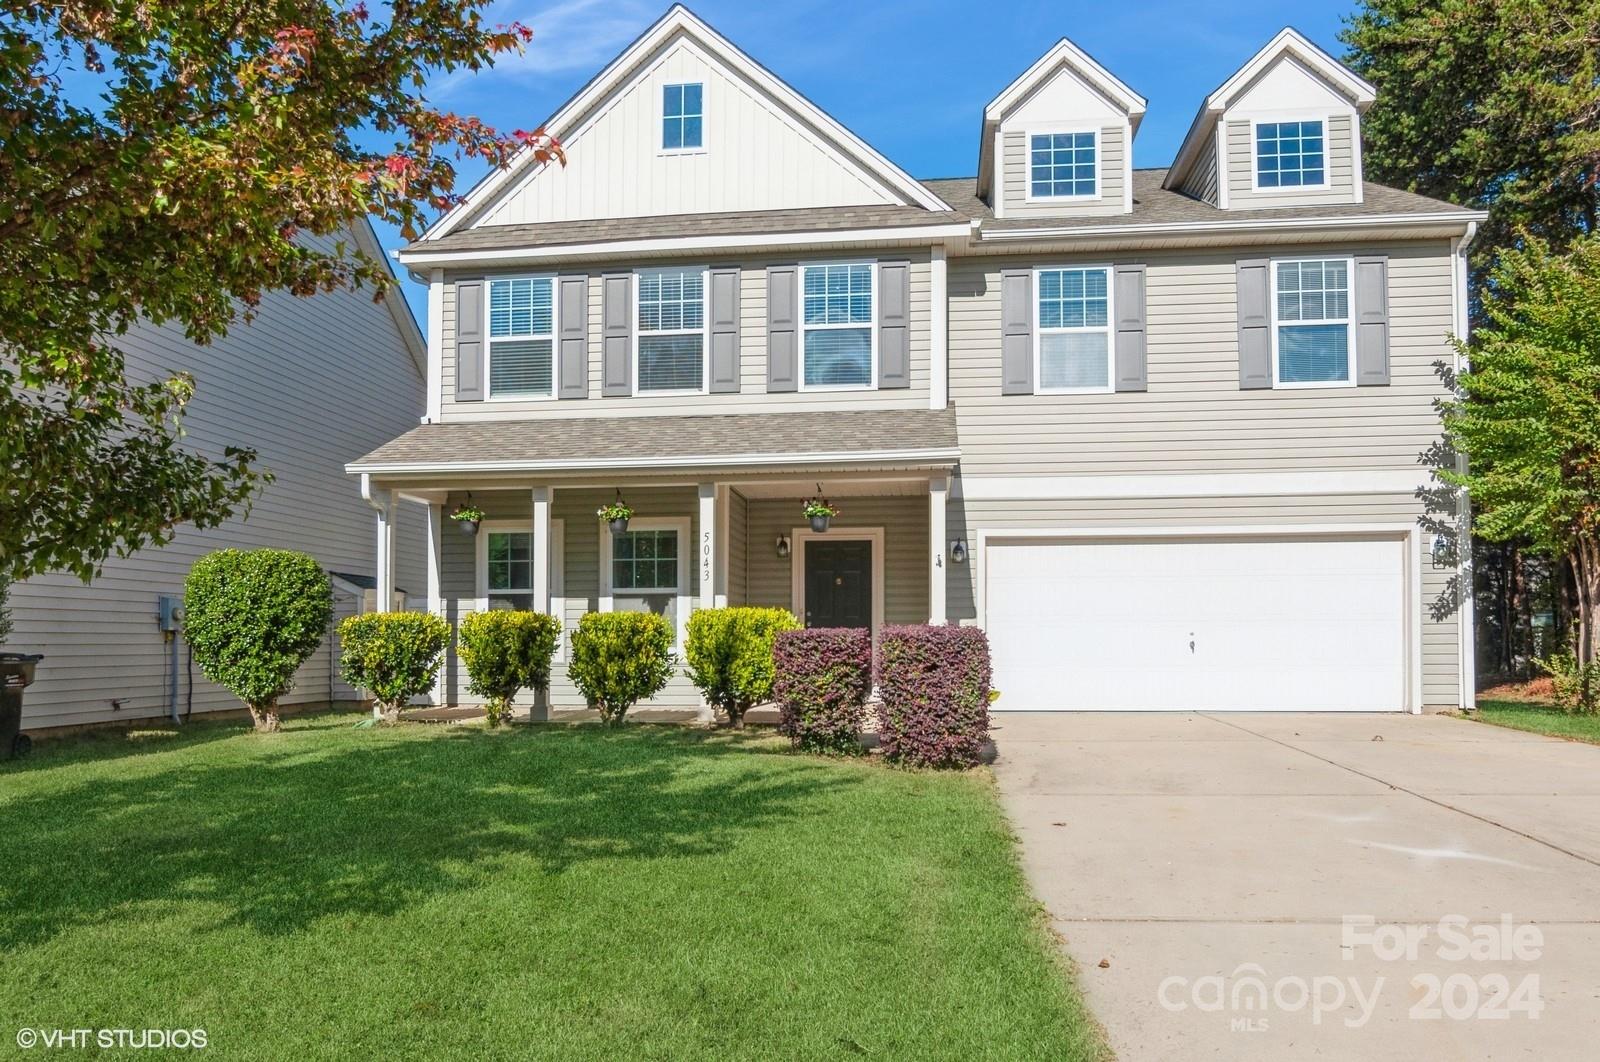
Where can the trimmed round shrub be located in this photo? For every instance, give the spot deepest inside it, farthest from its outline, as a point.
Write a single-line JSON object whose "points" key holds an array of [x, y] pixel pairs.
{"points": [[396, 655], [620, 659], [934, 685], [729, 652], [505, 653], [822, 678], [252, 618]]}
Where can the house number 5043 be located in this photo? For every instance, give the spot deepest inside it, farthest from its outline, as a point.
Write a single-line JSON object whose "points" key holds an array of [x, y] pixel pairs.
{"points": [[705, 555]]}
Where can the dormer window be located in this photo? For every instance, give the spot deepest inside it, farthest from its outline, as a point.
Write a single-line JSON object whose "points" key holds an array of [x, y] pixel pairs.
{"points": [[682, 118], [1290, 155], [1063, 165]]}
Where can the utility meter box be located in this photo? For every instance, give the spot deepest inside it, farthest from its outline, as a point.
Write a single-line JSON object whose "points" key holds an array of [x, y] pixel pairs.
{"points": [[169, 611]]}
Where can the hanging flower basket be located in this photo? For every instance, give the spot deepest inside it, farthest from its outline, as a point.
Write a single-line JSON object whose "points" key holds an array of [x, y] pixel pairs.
{"points": [[616, 515], [467, 518], [820, 513]]}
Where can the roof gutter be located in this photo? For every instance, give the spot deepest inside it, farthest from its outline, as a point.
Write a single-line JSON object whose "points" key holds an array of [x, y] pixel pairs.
{"points": [[588, 464], [1191, 228]]}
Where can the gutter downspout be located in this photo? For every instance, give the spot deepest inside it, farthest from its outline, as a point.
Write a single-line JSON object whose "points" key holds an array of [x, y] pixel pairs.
{"points": [[1466, 622]]}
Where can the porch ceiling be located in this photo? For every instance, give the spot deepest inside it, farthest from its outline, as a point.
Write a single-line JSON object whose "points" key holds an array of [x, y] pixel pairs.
{"points": [[834, 438]]}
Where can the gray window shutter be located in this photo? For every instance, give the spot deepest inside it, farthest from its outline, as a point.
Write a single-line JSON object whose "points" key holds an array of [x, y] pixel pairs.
{"points": [[783, 328], [1255, 325], [1132, 374], [725, 330], [894, 324], [616, 335], [470, 341], [573, 364], [1371, 310], [1016, 332]]}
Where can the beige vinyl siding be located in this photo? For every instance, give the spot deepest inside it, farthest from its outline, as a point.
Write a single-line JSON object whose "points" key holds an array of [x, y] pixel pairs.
{"points": [[1202, 181], [904, 521], [1112, 159], [310, 384], [738, 548], [1340, 150], [1194, 417], [965, 518], [752, 396]]}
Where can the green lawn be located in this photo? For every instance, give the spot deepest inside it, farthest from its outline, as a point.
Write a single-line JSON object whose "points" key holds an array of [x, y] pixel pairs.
{"points": [[1540, 718], [552, 891]]}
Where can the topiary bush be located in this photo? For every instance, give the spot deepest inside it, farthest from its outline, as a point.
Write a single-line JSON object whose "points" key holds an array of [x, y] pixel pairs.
{"points": [[822, 678], [252, 618], [934, 685], [396, 655], [729, 652], [619, 659], [506, 652]]}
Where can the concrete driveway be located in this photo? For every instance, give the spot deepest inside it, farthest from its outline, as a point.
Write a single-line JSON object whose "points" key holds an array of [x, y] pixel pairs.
{"points": [[1251, 886]]}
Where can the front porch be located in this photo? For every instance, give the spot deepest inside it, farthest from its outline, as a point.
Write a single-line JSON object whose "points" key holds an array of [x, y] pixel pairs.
{"points": [[737, 539]]}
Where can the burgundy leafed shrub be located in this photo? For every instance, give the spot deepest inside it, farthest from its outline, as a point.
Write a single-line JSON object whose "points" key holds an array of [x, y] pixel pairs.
{"points": [[934, 684], [821, 680]]}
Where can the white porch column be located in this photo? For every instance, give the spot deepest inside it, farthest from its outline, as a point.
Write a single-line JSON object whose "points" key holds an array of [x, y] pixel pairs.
{"points": [[436, 583], [706, 554], [383, 502], [938, 490], [541, 579]]}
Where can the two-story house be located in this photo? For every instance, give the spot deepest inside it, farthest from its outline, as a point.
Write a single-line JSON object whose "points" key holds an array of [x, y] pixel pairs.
{"points": [[1156, 431]]}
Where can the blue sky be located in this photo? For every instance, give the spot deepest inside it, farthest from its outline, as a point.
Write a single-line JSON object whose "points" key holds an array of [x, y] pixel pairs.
{"points": [[911, 78]]}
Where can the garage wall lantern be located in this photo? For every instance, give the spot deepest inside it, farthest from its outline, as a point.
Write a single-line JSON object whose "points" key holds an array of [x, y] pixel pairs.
{"points": [[958, 552]]}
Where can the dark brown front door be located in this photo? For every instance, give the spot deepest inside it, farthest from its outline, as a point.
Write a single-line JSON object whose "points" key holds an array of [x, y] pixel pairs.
{"points": [[838, 584]]}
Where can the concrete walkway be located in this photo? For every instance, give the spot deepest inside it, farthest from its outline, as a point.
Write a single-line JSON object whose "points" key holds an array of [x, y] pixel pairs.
{"points": [[1194, 864]]}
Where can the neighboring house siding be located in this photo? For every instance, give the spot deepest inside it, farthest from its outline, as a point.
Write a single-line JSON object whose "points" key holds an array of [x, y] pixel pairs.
{"points": [[965, 518], [1194, 417], [1112, 162], [1340, 160], [310, 384], [1202, 182], [752, 396]]}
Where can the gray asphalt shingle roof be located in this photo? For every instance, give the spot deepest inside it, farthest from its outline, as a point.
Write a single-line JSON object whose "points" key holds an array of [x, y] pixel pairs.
{"points": [[605, 441]]}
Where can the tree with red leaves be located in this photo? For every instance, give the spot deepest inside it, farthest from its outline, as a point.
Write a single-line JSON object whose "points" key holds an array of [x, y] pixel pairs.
{"points": [[173, 190]]}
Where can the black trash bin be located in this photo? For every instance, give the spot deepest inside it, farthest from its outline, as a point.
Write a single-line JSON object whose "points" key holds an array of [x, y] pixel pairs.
{"points": [[16, 675]]}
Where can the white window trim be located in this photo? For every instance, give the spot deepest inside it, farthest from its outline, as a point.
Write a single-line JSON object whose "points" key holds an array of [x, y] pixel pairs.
{"points": [[871, 326], [661, 117], [1350, 322], [704, 331], [1109, 329], [799, 536], [1327, 151], [1027, 153], [489, 340], [680, 524], [558, 571]]}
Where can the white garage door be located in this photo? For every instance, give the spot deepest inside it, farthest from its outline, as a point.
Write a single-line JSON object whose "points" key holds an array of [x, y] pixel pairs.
{"points": [[1282, 624]]}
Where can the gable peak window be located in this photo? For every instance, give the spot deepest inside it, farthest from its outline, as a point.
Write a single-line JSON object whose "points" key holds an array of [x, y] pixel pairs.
{"points": [[521, 337], [1063, 165], [1290, 155], [836, 321], [1311, 322], [682, 117], [672, 329], [1074, 347]]}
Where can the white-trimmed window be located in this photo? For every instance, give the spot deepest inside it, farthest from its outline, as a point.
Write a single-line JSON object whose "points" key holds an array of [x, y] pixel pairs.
{"points": [[838, 340], [1064, 165], [1290, 155], [1311, 341], [671, 351], [646, 569], [683, 117], [522, 328], [1073, 350], [505, 569]]}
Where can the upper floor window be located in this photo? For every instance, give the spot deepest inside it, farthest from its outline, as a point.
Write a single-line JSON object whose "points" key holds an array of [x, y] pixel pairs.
{"points": [[681, 117], [836, 322], [1290, 155], [521, 337], [1062, 165], [672, 330], [1311, 322], [1074, 345]]}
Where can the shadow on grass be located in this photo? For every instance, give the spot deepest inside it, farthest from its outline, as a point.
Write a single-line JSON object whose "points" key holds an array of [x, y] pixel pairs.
{"points": [[279, 831]]}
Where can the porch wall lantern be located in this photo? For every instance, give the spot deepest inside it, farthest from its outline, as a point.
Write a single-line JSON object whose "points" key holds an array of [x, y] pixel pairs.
{"points": [[958, 552], [783, 545]]}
